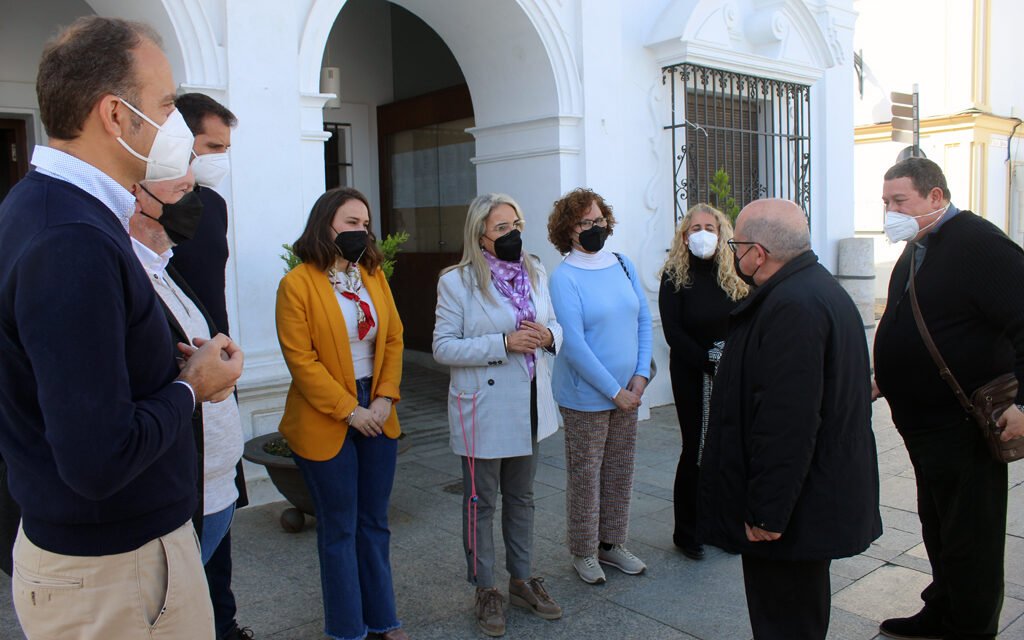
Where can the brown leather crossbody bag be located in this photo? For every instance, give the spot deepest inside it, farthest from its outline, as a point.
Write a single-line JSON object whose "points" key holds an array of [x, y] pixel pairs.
{"points": [[987, 403]]}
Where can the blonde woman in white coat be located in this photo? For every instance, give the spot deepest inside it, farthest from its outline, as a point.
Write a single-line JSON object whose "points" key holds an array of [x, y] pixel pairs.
{"points": [[496, 330]]}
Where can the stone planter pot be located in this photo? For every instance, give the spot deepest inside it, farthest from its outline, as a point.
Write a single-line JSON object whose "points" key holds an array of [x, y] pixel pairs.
{"points": [[286, 478]]}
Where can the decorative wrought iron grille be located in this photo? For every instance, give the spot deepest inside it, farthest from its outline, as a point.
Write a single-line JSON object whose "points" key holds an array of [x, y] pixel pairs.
{"points": [[755, 129]]}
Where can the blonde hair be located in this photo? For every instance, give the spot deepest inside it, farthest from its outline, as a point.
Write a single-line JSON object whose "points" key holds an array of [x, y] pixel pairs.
{"points": [[677, 266], [473, 261]]}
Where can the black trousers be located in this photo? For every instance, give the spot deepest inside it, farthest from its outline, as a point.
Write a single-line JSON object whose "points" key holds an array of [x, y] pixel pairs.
{"points": [[218, 575], [687, 393], [961, 500], [786, 599]]}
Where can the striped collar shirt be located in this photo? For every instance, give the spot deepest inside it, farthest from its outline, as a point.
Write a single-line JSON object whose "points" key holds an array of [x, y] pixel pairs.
{"points": [[64, 166]]}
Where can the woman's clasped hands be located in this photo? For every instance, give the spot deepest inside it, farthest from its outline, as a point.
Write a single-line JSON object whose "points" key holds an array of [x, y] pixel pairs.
{"points": [[370, 421], [528, 338]]}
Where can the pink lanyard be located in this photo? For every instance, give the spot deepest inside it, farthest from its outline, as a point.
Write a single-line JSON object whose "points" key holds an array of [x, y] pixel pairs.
{"points": [[471, 504]]}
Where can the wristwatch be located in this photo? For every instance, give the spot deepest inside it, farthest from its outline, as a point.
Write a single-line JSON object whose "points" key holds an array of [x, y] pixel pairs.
{"points": [[1020, 407]]}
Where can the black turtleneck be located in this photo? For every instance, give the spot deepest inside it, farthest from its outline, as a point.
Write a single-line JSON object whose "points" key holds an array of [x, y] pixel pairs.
{"points": [[696, 316]]}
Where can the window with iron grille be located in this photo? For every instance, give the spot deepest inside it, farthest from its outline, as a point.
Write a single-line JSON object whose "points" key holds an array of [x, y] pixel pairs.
{"points": [[757, 130]]}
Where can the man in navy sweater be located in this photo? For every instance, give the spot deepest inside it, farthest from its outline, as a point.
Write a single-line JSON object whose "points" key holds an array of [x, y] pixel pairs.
{"points": [[95, 415], [201, 261]]}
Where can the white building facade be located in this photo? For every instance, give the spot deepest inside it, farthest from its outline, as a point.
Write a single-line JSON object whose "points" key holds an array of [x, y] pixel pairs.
{"points": [[438, 100], [971, 101]]}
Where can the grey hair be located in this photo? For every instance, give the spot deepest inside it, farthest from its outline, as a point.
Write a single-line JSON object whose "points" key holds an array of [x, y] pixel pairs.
{"points": [[473, 263], [781, 238]]}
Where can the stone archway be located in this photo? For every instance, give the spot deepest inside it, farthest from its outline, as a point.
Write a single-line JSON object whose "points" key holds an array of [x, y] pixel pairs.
{"points": [[525, 88], [191, 40]]}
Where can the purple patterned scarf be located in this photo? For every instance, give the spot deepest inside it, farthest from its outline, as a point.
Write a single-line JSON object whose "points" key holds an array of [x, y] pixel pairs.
{"points": [[512, 282]]}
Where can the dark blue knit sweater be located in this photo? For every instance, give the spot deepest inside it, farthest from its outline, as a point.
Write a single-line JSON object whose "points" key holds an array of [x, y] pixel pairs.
{"points": [[98, 439]]}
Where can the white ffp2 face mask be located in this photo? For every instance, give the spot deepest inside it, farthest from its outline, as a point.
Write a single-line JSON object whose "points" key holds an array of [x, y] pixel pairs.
{"points": [[172, 147], [901, 226], [703, 244], [210, 169]]}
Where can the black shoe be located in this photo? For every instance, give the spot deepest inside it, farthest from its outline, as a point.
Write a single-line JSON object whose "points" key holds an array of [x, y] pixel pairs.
{"points": [[238, 633], [917, 627], [693, 551]]}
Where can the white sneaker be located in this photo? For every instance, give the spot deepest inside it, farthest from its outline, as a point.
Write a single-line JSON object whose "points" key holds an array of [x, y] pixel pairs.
{"points": [[588, 568], [621, 558]]}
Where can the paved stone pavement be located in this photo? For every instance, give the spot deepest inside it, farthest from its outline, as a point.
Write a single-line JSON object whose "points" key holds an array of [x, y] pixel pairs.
{"points": [[277, 576]]}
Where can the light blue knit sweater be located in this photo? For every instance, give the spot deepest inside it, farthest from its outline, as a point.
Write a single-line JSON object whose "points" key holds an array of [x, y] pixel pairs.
{"points": [[606, 328]]}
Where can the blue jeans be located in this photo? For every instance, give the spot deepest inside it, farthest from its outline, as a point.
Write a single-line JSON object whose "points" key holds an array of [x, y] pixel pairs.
{"points": [[351, 492], [215, 526]]}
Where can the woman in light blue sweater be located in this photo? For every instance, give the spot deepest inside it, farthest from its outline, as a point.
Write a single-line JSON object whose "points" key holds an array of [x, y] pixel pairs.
{"points": [[599, 379]]}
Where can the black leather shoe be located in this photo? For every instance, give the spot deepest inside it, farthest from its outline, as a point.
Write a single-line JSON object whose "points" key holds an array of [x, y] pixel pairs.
{"points": [[692, 551], [239, 633], [916, 627]]}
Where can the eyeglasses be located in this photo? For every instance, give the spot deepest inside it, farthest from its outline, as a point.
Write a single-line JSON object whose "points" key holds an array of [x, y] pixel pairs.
{"points": [[733, 242], [587, 224], [503, 227]]}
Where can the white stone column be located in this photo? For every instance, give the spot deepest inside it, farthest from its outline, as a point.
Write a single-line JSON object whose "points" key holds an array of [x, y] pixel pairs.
{"points": [[832, 136], [276, 174]]}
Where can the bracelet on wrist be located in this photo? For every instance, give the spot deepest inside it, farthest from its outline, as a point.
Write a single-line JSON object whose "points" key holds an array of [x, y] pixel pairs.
{"points": [[350, 417], [504, 339]]}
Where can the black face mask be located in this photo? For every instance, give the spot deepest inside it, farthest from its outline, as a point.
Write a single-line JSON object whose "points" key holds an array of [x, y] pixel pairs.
{"points": [[509, 247], [592, 240], [739, 272], [352, 244], [179, 219]]}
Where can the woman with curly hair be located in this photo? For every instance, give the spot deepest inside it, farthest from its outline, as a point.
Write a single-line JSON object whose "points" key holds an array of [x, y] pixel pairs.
{"points": [[599, 378], [699, 288]]}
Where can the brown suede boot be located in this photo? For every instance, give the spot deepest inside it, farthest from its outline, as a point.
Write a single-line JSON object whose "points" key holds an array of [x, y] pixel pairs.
{"points": [[531, 594], [490, 611]]}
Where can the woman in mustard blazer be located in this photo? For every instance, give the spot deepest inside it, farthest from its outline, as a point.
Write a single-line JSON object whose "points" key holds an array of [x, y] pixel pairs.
{"points": [[342, 340]]}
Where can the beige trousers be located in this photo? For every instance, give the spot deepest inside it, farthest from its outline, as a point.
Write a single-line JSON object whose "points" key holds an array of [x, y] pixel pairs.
{"points": [[157, 591]]}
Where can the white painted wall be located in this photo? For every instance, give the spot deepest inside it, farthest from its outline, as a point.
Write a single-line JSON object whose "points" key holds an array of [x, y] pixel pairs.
{"points": [[937, 55], [924, 41]]}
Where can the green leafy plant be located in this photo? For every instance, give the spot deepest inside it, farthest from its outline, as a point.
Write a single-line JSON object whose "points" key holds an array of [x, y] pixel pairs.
{"points": [[278, 447], [390, 247], [290, 259], [722, 190]]}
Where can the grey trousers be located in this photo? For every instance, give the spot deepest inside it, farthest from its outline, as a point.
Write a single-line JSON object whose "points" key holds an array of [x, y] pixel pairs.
{"points": [[513, 478]]}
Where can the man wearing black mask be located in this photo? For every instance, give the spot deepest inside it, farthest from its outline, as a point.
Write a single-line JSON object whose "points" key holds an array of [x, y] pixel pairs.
{"points": [[202, 262], [789, 477], [167, 213]]}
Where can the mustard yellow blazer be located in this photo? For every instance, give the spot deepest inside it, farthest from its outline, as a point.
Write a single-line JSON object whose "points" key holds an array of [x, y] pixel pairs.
{"points": [[315, 344]]}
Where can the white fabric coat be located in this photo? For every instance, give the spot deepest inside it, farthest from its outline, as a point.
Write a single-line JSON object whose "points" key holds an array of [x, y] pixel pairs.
{"points": [[485, 382]]}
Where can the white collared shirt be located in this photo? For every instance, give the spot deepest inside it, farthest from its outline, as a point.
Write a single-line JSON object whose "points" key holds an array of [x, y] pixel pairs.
{"points": [[64, 166], [222, 424]]}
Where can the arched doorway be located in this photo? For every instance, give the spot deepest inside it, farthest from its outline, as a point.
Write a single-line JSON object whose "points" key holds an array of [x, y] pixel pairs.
{"points": [[399, 134], [524, 99]]}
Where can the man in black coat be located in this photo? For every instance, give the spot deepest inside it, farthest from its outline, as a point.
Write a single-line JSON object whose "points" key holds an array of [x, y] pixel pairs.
{"points": [[969, 279], [790, 471]]}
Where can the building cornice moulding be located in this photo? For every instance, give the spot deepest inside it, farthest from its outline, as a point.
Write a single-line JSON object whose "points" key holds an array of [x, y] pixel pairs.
{"points": [[777, 39]]}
